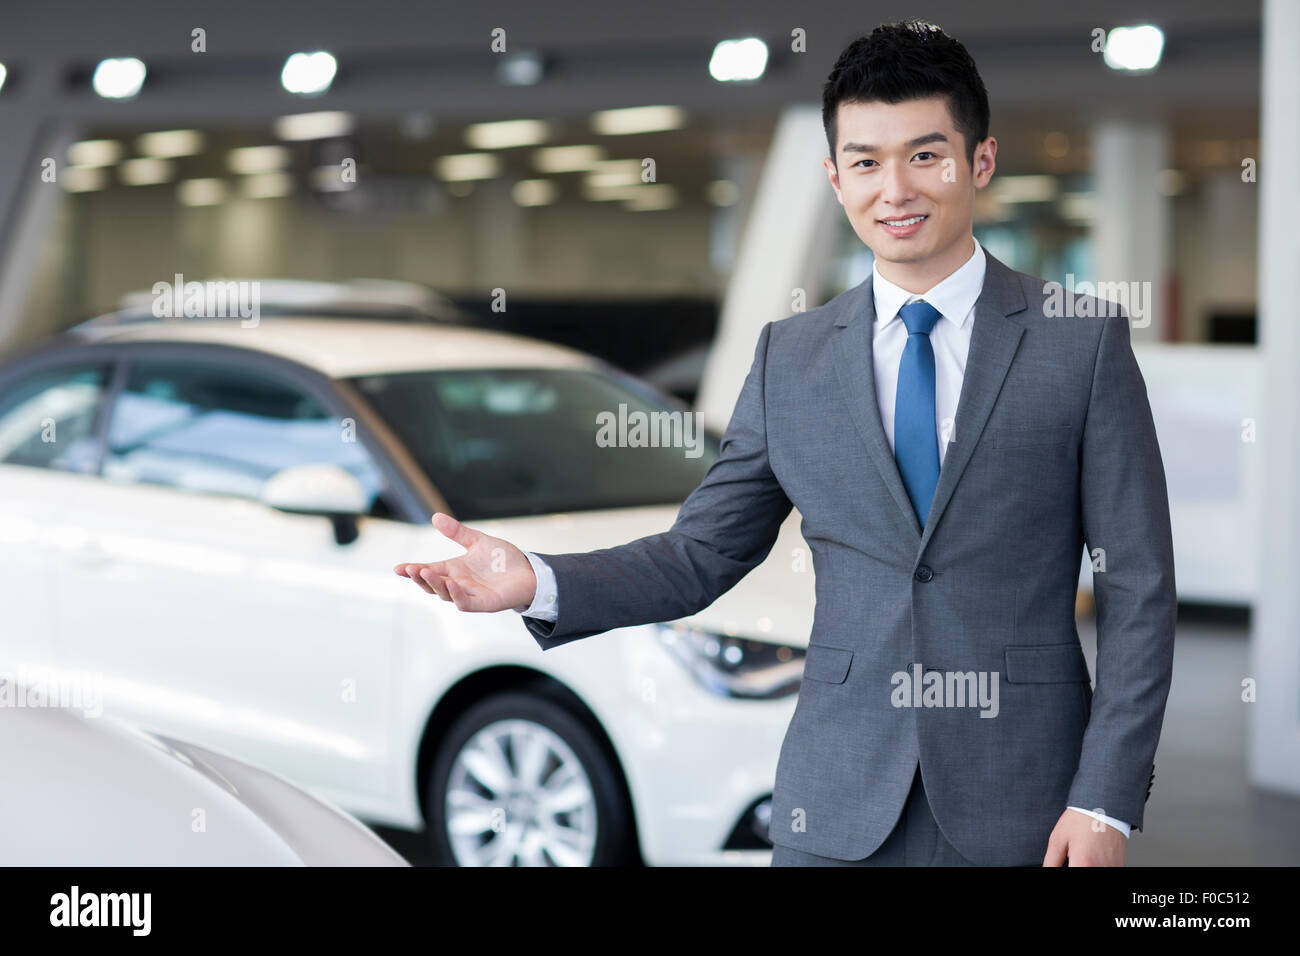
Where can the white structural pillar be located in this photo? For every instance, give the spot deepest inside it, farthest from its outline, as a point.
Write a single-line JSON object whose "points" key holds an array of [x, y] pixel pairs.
{"points": [[1131, 224], [784, 248], [28, 202], [1274, 755]]}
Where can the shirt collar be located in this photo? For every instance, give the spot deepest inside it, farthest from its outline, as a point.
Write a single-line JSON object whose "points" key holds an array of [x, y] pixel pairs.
{"points": [[953, 296]]}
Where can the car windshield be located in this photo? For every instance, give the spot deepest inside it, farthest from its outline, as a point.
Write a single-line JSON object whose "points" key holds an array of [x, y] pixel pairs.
{"points": [[501, 443]]}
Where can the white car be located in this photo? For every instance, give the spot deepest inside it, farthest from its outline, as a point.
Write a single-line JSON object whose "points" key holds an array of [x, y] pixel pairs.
{"points": [[81, 788], [207, 517]]}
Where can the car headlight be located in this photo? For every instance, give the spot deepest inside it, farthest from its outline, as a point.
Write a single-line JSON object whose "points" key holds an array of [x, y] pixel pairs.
{"points": [[734, 666]]}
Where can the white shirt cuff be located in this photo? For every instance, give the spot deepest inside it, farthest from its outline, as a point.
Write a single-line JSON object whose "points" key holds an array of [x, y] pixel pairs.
{"points": [[545, 606], [1119, 825]]}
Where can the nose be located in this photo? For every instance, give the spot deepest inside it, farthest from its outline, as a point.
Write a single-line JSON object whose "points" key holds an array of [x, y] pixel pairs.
{"points": [[895, 187]]}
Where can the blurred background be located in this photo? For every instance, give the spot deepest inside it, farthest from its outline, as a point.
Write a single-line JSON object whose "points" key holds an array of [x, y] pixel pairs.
{"points": [[458, 157]]}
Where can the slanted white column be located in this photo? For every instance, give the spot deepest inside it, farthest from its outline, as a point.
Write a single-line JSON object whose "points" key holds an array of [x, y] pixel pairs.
{"points": [[790, 233], [28, 204]]}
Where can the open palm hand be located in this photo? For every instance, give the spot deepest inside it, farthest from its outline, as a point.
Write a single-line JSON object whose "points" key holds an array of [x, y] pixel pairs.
{"points": [[492, 575]]}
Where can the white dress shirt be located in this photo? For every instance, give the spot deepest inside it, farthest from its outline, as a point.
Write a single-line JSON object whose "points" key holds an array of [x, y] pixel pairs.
{"points": [[544, 600], [955, 297]]}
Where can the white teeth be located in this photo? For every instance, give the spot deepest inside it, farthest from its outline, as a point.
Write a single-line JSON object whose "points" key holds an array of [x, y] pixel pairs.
{"points": [[902, 222]]}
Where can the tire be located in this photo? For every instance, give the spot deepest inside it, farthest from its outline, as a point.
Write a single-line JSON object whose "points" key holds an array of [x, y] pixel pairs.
{"points": [[501, 830]]}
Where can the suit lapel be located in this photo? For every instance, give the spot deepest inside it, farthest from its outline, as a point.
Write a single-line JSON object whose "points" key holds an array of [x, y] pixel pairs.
{"points": [[994, 339]]}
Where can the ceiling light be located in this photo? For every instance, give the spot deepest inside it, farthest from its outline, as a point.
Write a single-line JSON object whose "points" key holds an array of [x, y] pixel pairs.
{"points": [[82, 179], [618, 166], [308, 74], [637, 119], [1134, 48], [465, 166], [567, 159], [170, 143], [257, 159], [94, 152], [145, 172], [118, 78], [615, 178], [738, 60], [324, 125], [507, 133]]}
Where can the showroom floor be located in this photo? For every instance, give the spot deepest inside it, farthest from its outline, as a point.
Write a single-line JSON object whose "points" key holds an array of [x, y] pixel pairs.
{"points": [[1202, 808]]}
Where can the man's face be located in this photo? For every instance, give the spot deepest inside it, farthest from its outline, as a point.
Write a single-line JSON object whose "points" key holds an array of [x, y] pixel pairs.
{"points": [[901, 161]]}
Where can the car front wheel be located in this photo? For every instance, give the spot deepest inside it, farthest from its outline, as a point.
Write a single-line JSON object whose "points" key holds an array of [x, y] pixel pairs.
{"points": [[520, 781]]}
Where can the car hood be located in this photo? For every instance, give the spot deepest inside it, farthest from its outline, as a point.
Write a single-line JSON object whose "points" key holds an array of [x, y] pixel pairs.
{"points": [[774, 602], [86, 789]]}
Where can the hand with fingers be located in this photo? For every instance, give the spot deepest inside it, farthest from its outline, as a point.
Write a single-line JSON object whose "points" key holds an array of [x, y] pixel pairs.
{"points": [[493, 575]]}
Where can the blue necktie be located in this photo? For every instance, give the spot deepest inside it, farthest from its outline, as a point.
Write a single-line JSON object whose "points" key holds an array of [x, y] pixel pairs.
{"points": [[916, 444]]}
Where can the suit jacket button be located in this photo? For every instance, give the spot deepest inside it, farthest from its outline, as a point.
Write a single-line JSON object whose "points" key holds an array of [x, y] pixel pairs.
{"points": [[923, 573]]}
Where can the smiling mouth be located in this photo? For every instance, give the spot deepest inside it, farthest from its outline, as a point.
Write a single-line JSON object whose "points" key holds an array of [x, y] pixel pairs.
{"points": [[910, 221]]}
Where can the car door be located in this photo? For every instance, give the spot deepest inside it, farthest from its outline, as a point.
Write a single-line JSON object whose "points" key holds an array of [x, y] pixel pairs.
{"points": [[48, 419], [215, 617]]}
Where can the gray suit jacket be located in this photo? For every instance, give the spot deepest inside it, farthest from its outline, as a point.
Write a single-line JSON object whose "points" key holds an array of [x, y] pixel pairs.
{"points": [[1053, 448]]}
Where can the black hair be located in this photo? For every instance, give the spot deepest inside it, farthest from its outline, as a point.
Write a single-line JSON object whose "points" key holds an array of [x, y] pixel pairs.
{"points": [[908, 60]]}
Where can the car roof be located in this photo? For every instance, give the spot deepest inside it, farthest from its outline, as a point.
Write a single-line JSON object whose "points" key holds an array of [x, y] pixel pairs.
{"points": [[342, 348], [307, 292], [361, 298]]}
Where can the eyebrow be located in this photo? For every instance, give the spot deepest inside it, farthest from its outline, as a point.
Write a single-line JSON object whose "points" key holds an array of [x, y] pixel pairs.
{"points": [[935, 137]]}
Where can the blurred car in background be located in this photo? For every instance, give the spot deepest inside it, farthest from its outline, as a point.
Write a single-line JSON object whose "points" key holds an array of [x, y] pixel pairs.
{"points": [[680, 374], [207, 516], [385, 299], [81, 790]]}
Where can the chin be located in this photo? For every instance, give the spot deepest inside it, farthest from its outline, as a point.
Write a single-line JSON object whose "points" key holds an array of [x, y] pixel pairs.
{"points": [[896, 250]]}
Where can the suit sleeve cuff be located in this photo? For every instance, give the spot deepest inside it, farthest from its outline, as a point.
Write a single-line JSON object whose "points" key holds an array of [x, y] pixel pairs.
{"points": [[545, 606]]}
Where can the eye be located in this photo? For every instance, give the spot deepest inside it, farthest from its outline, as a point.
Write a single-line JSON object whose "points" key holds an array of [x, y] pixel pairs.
{"points": [[861, 161], [925, 153]]}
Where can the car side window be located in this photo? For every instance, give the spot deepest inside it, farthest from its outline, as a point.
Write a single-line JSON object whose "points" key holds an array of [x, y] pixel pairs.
{"points": [[47, 419], [223, 430]]}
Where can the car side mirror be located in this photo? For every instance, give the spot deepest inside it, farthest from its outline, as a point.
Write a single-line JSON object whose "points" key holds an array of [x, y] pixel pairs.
{"points": [[315, 489], [319, 490]]}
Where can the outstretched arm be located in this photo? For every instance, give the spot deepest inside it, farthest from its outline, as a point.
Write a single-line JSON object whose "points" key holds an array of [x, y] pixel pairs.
{"points": [[726, 527]]}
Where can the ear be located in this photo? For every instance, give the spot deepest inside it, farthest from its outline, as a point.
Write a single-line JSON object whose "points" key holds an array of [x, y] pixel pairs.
{"points": [[834, 176], [984, 162]]}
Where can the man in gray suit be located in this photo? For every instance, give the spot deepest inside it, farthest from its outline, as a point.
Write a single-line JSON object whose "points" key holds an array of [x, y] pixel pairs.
{"points": [[953, 435]]}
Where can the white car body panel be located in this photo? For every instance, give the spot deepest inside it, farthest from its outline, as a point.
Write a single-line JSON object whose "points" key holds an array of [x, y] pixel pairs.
{"points": [[81, 790]]}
